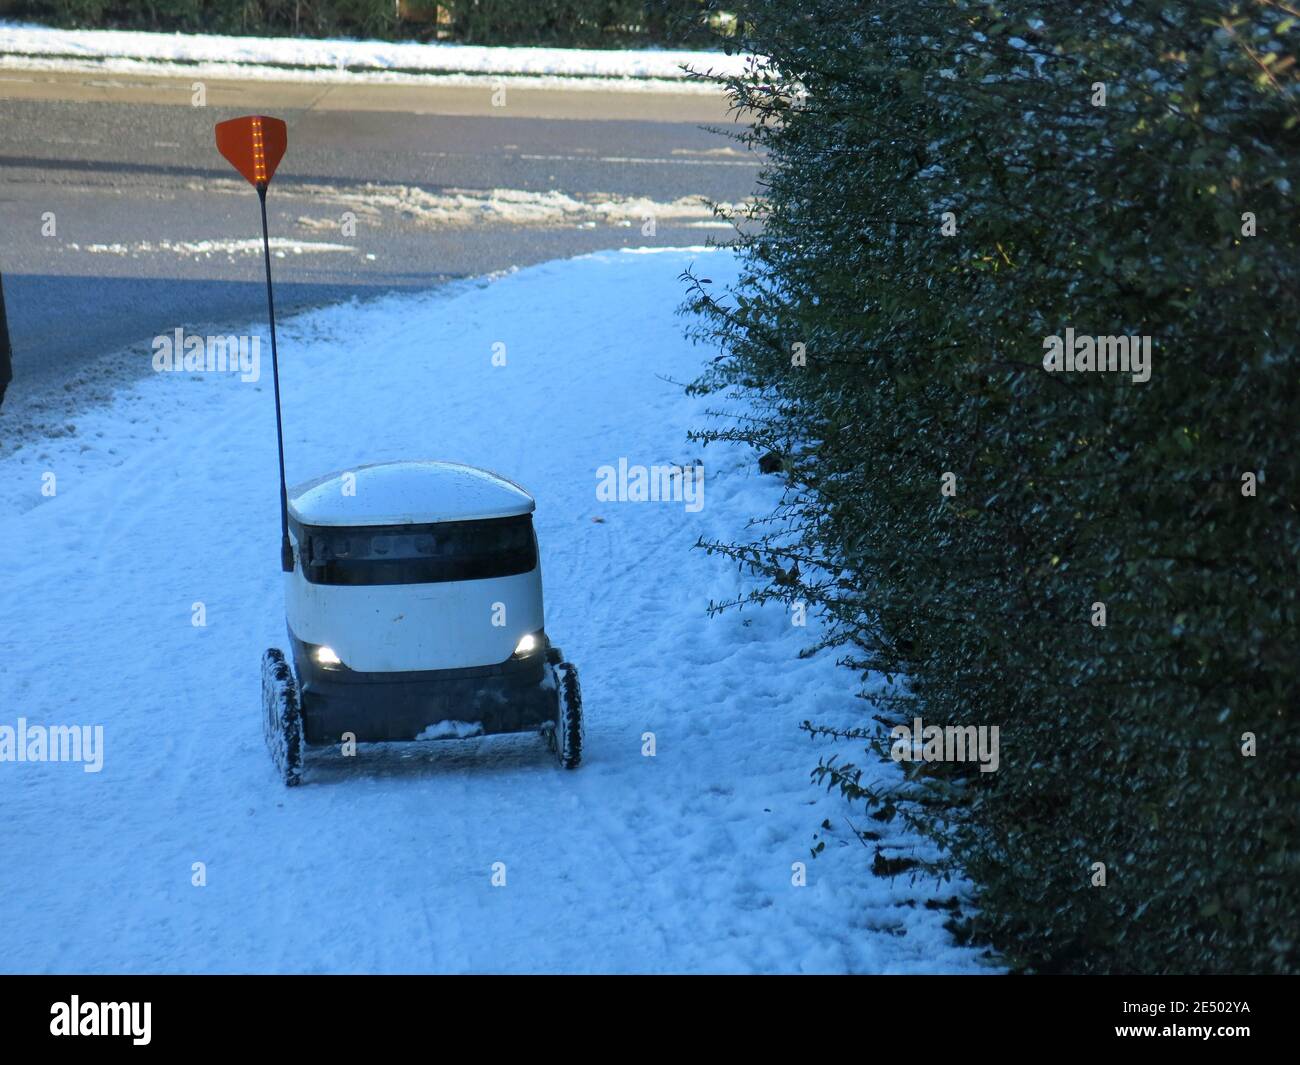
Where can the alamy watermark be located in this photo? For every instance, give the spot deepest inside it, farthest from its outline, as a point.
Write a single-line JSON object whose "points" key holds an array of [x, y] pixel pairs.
{"points": [[1114, 354], [79, 1018], [946, 743], [53, 743], [178, 353], [626, 483]]}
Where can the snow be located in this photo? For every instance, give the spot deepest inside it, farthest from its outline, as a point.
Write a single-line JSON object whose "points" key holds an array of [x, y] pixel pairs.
{"points": [[441, 730], [449, 207], [30, 47], [251, 246], [410, 491], [508, 206], [185, 854]]}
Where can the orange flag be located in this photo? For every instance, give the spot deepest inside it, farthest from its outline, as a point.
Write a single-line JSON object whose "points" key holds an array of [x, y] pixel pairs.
{"points": [[254, 145]]}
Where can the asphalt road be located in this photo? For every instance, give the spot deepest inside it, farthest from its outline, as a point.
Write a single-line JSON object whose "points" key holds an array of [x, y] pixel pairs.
{"points": [[110, 187]]}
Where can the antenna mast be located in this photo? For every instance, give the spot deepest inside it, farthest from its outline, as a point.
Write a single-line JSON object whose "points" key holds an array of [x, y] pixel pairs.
{"points": [[255, 145]]}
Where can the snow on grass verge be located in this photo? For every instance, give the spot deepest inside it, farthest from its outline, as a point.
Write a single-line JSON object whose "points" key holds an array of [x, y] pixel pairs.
{"points": [[280, 246], [516, 207], [166, 508], [214, 55]]}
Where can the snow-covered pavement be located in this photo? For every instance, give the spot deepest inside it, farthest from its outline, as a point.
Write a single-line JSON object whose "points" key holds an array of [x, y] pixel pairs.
{"points": [[167, 499]]}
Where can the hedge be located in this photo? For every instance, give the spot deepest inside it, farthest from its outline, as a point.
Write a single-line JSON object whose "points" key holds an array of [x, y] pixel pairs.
{"points": [[1103, 567], [569, 23]]}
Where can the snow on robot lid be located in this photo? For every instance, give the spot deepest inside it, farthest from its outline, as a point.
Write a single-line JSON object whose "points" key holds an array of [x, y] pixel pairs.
{"points": [[408, 493]]}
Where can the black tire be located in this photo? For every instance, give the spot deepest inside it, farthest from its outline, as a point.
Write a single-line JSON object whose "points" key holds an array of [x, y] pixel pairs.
{"points": [[282, 717], [567, 736]]}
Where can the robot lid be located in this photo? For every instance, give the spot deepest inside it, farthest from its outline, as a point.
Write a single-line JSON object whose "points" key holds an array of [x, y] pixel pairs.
{"points": [[407, 492]]}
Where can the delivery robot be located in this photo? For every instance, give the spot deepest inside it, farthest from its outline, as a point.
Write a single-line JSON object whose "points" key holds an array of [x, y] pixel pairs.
{"points": [[413, 591], [414, 611]]}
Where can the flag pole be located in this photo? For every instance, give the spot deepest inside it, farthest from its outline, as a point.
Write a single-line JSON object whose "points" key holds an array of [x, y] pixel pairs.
{"points": [[254, 145], [286, 550]]}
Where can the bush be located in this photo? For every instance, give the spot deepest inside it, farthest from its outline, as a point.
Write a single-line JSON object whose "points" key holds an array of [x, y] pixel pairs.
{"points": [[309, 18], [577, 23], [1124, 170], [571, 23]]}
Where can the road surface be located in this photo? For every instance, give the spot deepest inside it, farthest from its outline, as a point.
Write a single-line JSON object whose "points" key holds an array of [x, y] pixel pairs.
{"points": [[114, 202]]}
